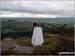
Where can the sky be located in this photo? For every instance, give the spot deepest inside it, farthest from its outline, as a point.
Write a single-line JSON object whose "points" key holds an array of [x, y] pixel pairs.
{"points": [[37, 9]]}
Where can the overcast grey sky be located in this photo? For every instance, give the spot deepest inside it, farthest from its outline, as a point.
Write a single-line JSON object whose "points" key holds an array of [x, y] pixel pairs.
{"points": [[40, 7]]}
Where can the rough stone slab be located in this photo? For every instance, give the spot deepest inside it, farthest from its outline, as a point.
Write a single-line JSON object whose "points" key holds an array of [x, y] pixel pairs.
{"points": [[25, 49], [7, 45]]}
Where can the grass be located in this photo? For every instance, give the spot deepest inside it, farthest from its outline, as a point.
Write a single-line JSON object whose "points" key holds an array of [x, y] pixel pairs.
{"points": [[23, 41], [8, 30]]}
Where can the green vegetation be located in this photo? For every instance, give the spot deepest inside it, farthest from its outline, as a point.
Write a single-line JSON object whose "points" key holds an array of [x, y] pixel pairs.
{"points": [[23, 41], [8, 30]]}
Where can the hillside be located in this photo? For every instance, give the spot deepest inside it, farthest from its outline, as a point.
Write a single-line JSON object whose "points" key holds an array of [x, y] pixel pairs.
{"points": [[15, 25], [15, 28]]}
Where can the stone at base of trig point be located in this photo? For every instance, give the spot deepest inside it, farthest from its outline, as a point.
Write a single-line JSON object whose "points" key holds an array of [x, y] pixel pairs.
{"points": [[25, 49]]}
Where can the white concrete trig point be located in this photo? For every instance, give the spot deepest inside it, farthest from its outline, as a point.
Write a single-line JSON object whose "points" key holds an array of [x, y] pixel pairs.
{"points": [[37, 38]]}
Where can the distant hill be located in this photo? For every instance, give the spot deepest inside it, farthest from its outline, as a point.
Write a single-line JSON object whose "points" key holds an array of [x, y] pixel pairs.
{"points": [[39, 19], [27, 25]]}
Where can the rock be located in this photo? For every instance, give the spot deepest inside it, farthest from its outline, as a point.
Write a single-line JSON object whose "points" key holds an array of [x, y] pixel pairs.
{"points": [[7, 45], [7, 39], [25, 49]]}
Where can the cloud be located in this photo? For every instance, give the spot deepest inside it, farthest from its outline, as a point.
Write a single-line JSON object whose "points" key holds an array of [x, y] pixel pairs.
{"points": [[40, 7], [17, 14]]}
